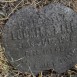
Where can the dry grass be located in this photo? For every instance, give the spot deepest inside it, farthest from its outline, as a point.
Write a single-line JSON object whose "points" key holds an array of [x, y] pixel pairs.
{"points": [[7, 8]]}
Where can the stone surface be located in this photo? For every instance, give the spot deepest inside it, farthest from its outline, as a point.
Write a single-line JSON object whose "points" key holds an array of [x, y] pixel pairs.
{"points": [[40, 39]]}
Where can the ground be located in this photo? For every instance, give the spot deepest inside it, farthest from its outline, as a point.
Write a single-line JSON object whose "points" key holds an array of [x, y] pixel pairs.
{"points": [[7, 8]]}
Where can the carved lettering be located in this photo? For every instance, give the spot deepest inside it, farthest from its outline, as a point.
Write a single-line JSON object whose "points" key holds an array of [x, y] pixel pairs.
{"points": [[13, 35], [20, 34]]}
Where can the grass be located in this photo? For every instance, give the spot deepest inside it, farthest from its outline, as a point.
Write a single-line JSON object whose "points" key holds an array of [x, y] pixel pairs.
{"points": [[7, 8]]}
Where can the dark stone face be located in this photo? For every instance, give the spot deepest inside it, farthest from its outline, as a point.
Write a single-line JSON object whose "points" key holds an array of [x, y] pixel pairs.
{"points": [[41, 39]]}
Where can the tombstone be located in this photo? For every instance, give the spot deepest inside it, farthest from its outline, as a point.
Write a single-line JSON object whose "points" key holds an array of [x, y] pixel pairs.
{"points": [[42, 39]]}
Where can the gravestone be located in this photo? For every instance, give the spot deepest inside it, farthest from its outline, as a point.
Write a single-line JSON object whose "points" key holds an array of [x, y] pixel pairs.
{"points": [[42, 39]]}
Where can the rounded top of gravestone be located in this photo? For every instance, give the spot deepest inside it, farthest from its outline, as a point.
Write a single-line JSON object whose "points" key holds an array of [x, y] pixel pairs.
{"points": [[42, 39]]}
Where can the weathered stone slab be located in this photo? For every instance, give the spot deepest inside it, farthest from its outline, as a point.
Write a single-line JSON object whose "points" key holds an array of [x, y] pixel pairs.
{"points": [[40, 39]]}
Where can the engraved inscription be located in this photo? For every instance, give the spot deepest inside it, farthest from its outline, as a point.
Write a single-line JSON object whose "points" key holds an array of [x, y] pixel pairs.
{"points": [[37, 32]]}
